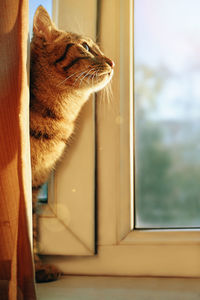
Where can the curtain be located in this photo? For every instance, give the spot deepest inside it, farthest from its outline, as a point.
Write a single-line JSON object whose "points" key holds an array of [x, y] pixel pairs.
{"points": [[16, 267]]}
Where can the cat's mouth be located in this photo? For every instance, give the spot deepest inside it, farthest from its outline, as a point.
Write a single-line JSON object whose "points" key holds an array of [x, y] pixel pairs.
{"points": [[110, 73]]}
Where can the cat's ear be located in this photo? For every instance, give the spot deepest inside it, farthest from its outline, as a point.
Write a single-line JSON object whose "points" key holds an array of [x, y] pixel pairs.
{"points": [[42, 24]]}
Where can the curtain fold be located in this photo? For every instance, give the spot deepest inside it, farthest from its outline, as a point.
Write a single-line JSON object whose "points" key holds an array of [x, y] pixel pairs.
{"points": [[16, 266]]}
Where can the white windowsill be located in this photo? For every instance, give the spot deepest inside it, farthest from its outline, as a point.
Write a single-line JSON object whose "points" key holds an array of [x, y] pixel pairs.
{"points": [[123, 288]]}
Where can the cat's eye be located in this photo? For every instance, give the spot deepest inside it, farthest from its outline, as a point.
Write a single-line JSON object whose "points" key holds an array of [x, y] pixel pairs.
{"points": [[85, 45]]}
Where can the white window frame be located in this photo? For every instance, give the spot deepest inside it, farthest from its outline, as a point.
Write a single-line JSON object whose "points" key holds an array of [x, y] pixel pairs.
{"points": [[121, 250], [67, 221]]}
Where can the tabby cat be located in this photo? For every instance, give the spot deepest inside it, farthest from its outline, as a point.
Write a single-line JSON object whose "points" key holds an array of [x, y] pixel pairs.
{"points": [[65, 69]]}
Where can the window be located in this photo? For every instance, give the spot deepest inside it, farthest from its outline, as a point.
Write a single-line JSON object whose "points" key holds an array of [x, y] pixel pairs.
{"points": [[167, 113], [123, 249], [69, 216]]}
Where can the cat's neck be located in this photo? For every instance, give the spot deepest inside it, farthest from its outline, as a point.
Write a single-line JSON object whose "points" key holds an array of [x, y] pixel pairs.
{"points": [[61, 103]]}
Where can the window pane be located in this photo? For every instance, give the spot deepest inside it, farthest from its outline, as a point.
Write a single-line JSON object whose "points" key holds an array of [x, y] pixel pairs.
{"points": [[167, 113], [43, 194]]}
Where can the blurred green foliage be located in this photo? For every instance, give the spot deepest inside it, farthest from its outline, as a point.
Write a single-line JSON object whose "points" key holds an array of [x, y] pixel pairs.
{"points": [[167, 190]]}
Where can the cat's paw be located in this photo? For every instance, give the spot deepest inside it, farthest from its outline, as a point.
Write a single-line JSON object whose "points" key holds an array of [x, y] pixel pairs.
{"points": [[46, 273]]}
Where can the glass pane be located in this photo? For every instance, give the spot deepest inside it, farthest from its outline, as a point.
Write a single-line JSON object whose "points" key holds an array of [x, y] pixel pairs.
{"points": [[43, 194], [167, 113]]}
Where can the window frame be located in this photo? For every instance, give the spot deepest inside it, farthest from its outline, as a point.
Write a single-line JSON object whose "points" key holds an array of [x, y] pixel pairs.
{"points": [[68, 218], [122, 250]]}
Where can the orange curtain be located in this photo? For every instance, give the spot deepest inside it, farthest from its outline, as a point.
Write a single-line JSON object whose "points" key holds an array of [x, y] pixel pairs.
{"points": [[16, 267]]}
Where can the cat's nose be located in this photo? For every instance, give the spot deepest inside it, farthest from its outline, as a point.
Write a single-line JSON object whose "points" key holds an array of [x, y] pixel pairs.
{"points": [[110, 62]]}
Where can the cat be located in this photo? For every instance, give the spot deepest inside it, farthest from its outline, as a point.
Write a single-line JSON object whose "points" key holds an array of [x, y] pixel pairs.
{"points": [[65, 69]]}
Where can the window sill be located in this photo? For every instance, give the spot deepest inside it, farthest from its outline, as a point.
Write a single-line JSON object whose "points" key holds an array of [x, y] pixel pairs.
{"points": [[95, 288]]}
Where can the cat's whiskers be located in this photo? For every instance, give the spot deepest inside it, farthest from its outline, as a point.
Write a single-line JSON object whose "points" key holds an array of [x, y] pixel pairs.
{"points": [[75, 73], [68, 78], [106, 94], [95, 74], [81, 75], [86, 75], [91, 77]]}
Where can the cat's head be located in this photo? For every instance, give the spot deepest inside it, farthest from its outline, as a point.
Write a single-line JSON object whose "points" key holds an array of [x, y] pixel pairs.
{"points": [[69, 60]]}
